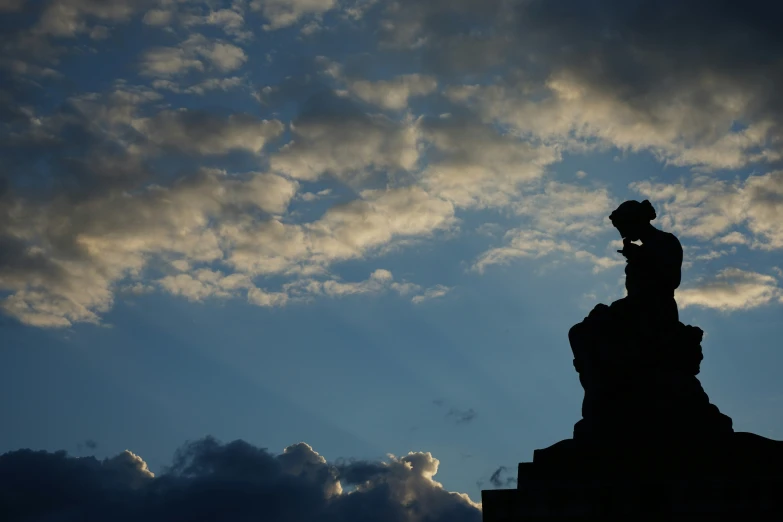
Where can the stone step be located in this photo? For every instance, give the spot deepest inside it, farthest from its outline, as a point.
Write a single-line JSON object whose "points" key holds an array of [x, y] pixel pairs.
{"points": [[722, 498]]}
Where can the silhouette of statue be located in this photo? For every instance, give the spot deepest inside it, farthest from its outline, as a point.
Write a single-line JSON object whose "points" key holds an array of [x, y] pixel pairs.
{"points": [[649, 441], [652, 272], [636, 361]]}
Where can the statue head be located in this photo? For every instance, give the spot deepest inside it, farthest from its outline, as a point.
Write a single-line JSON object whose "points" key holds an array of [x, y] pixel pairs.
{"points": [[632, 217]]}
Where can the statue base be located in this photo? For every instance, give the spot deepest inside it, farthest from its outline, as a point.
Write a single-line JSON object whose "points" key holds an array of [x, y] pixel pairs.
{"points": [[738, 478]]}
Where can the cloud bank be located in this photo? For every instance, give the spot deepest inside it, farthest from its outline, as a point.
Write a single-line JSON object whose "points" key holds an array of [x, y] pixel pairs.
{"points": [[209, 480]]}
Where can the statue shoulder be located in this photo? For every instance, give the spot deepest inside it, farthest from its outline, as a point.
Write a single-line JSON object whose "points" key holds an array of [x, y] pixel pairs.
{"points": [[670, 240], [675, 241]]}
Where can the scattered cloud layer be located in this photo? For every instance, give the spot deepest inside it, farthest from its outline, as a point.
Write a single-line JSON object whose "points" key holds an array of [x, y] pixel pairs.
{"points": [[732, 289], [713, 209], [212, 480], [140, 183]]}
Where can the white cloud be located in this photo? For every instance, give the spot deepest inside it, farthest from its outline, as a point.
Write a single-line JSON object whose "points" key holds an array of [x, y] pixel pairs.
{"points": [[204, 133], [707, 207], [169, 61], [349, 147], [379, 281], [209, 219], [600, 263], [266, 299], [521, 243], [67, 18], [203, 87], [731, 289], [204, 283], [478, 167], [559, 217], [192, 54], [282, 13], [393, 94], [348, 231], [573, 113], [116, 235], [128, 468], [157, 17], [733, 238], [231, 21], [567, 208], [431, 293], [314, 196]]}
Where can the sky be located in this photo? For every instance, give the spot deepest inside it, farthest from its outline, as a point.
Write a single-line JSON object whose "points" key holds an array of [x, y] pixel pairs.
{"points": [[330, 250]]}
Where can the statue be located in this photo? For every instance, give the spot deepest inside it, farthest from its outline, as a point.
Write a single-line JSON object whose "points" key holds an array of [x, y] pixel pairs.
{"points": [[636, 361], [638, 364], [649, 441]]}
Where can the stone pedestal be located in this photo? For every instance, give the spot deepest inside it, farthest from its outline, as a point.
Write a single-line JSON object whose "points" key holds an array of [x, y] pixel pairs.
{"points": [[741, 480]]}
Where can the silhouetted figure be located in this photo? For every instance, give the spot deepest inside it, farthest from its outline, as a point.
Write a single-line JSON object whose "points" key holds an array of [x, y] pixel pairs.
{"points": [[636, 361], [649, 442], [653, 270]]}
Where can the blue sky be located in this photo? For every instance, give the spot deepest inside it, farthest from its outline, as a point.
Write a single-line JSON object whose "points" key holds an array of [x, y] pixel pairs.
{"points": [[368, 225]]}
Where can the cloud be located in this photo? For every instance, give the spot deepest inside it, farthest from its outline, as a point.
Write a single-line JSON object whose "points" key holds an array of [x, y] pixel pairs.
{"points": [[462, 416], [526, 243], [563, 208], [157, 17], [195, 53], [203, 87], [205, 283], [380, 281], [473, 165], [559, 217], [283, 13], [67, 18], [594, 78], [499, 482], [334, 137], [136, 193], [707, 208], [521, 243], [206, 133], [63, 259], [731, 289], [393, 94], [231, 21], [431, 293], [11, 5], [209, 479], [347, 231], [458, 415]]}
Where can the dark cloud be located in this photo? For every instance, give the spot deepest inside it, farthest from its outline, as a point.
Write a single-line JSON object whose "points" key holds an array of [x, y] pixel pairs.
{"points": [[209, 480], [683, 79], [646, 48], [498, 481], [462, 416], [459, 415]]}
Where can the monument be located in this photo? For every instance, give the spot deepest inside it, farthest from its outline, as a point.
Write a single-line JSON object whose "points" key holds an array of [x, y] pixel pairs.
{"points": [[650, 445]]}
